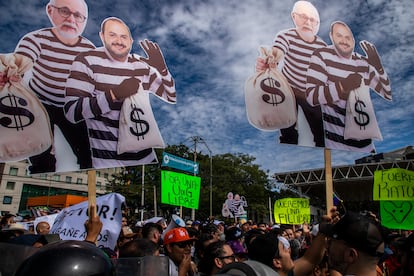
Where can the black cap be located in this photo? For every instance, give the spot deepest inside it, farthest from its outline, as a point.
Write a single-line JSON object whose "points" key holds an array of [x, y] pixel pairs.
{"points": [[359, 231]]}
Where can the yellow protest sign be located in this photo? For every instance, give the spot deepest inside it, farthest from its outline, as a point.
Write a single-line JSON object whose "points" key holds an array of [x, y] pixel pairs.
{"points": [[292, 211], [394, 184]]}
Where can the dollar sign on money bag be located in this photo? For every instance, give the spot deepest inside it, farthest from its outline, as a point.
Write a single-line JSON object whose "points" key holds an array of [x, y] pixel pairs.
{"points": [[141, 126], [19, 117], [272, 87], [362, 119]]}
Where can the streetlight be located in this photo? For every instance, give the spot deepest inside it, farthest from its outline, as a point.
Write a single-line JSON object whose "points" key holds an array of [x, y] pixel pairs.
{"points": [[201, 140]]}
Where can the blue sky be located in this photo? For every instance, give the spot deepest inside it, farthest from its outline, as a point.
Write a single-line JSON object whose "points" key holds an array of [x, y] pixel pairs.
{"points": [[210, 48]]}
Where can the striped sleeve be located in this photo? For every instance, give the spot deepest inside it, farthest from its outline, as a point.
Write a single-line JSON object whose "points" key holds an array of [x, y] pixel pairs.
{"points": [[380, 83], [82, 100], [29, 46], [319, 88], [161, 86]]}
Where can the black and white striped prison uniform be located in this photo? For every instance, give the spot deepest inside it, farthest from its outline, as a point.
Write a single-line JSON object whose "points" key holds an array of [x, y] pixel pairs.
{"points": [[297, 54], [325, 72], [52, 61], [93, 74]]}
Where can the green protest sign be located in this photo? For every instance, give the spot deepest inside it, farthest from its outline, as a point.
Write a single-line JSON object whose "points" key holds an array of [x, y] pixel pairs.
{"points": [[180, 189], [292, 211], [397, 214], [394, 184]]}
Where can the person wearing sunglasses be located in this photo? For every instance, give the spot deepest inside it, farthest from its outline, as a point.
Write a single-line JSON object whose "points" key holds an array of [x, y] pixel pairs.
{"points": [[177, 245], [216, 256], [52, 51]]}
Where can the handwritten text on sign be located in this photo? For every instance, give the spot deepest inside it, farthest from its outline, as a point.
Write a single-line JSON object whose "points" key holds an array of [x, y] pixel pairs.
{"points": [[70, 222], [292, 211], [394, 184], [180, 189]]}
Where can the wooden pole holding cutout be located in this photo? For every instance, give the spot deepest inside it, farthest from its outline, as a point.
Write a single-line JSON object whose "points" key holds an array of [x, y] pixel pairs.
{"points": [[328, 179], [92, 192]]}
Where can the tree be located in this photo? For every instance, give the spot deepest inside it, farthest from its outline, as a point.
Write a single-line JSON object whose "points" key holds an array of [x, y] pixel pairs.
{"points": [[230, 173]]}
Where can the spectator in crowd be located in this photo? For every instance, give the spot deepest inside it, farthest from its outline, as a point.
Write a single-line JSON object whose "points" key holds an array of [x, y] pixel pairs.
{"points": [[322, 269], [177, 244], [216, 256], [125, 236], [124, 220], [406, 252], [152, 231], [204, 239], [43, 228], [221, 228], [390, 260], [246, 226], [234, 238], [188, 223], [138, 248], [15, 230], [6, 220], [196, 224], [354, 245], [262, 225], [211, 229]]}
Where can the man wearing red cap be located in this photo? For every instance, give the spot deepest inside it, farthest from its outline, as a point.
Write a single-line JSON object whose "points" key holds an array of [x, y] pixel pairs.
{"points": [[177, 244]]}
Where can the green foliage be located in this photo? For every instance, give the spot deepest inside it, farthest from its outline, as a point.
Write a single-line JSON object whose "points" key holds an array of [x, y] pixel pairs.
{"points": [[230, 173]]}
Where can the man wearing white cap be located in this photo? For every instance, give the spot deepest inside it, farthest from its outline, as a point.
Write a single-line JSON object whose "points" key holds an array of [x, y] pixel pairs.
{"points": [[294, 48]]}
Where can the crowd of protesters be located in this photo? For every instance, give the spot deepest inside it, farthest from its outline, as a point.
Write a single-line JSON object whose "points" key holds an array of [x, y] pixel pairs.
{"points": [[353, 244]]}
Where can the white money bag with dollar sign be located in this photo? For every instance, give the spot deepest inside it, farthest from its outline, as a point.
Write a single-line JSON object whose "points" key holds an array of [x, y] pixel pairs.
{"points": [[360, 120], [270, 102], [138, 129], [24, 123]]}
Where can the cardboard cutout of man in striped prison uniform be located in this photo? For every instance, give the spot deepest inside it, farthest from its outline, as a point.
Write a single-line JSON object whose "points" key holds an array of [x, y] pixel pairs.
{"points": [[336, 70], [52, 51], [99, 82], [292, 50]]}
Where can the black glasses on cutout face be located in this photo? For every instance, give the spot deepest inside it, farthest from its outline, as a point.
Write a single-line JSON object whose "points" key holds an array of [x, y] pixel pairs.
{"points": [[184, 244], [65, 12]]}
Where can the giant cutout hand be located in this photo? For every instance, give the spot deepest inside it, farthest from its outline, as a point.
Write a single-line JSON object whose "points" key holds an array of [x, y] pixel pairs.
{"points": [[372, 55], [155, 56]]}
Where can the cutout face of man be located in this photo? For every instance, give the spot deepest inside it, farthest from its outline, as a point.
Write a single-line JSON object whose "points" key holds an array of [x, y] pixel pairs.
{"points": [[68, 18], [343, 39], [117, 39], [306, 19]]}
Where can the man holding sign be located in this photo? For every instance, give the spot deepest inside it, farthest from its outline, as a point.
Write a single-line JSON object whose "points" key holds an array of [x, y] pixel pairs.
{"points": [[334, 72]]}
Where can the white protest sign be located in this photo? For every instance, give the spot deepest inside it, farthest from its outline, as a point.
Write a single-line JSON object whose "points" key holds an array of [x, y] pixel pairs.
{"points": [[69, 223]]}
